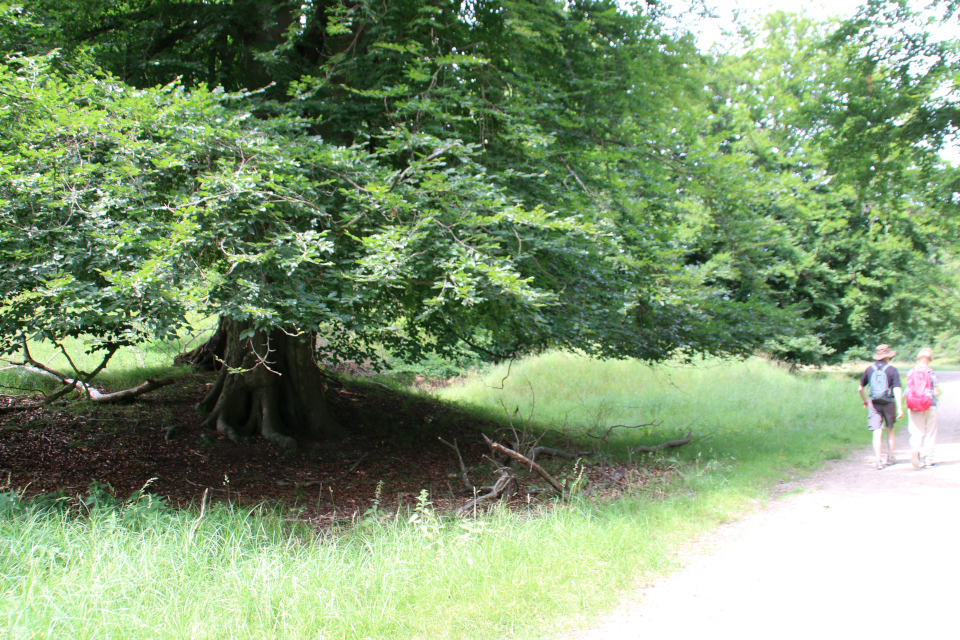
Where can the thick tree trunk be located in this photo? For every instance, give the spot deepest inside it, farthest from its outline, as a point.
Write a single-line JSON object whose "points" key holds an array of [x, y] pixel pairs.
{"points": [[271, 386], [209, 355]]}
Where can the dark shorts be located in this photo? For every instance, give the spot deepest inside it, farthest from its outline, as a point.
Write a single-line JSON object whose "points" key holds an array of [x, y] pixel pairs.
{"points": [[881, 415]]}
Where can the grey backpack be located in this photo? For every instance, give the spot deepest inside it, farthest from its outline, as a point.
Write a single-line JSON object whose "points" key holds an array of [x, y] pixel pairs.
{"points": [[880, 391]]}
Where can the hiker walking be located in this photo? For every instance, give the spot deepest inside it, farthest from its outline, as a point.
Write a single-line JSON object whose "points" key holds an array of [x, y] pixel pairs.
{"points": [[921, 398], [883, 404]]}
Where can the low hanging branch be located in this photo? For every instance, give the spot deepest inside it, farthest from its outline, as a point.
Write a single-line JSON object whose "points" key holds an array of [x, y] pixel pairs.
{"points": [[665, 445], [92, 394], [83, 386], [530, 464]]}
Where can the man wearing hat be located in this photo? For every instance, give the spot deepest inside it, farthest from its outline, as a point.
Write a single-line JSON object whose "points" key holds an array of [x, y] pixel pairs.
{"points": [[884, 401]]}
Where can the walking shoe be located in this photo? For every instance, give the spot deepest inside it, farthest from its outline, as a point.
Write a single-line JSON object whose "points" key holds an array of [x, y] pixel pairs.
{"points": [[879, 465], [891, 460], [915, 460]]}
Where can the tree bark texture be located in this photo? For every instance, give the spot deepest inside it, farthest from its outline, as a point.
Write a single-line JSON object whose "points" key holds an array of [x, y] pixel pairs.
{"points": [[209, 355], [271, 386]]}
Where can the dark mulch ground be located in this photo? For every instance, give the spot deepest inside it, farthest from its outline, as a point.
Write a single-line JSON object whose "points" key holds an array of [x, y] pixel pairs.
{"points": [[395, 442]]}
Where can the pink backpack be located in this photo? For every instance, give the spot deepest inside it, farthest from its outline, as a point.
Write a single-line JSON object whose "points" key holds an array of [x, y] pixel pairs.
{"points": [[919, 394]]}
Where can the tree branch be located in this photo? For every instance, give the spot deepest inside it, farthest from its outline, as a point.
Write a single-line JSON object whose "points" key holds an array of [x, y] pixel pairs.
{"points": [[558, 453], [665, 445], [498, 489], [403, 174], [510, 453], [463, 468]]}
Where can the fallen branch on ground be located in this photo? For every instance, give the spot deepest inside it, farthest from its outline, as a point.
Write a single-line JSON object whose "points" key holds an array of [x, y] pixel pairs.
{"points": [[497, 490], [602, 439], [22, 407], [530, 464], [559, 453], [665, 445], [128, 394]]}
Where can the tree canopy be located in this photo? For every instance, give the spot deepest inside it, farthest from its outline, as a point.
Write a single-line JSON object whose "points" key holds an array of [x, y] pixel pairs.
{"points": [[445, 176]]}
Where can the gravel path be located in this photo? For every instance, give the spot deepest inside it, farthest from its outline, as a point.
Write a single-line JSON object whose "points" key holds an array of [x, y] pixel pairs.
{"points": [[858, 553]]}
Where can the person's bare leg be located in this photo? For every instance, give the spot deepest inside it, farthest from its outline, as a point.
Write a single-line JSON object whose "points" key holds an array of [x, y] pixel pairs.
{"points": [[891, 443], [878, 443], [930, 437], [916, 425]]}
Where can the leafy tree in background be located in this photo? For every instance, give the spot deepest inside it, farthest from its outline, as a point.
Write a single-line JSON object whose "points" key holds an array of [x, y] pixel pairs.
{"points": [[859, 262], [891, 101]]}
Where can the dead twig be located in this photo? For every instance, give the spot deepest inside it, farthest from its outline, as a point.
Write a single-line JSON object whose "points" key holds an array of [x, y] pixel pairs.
{"points": [[313, 483], [498, 489], [205, 487], [463, 468]]}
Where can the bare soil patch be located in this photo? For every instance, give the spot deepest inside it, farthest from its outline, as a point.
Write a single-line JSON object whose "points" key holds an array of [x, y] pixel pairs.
{"points": [[395, 445]]}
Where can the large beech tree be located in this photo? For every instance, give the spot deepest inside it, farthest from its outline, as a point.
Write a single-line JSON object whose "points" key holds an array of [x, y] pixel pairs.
{"points": [[124, 208], [420, 176]]}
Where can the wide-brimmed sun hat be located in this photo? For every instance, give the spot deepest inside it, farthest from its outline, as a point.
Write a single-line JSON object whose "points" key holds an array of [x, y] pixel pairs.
{"points": [[925, 354], [883, 352]]}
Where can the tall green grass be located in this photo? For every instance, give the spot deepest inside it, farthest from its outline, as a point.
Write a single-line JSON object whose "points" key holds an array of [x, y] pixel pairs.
{"points": [[137, 571], [237, 575], [749, 412]]}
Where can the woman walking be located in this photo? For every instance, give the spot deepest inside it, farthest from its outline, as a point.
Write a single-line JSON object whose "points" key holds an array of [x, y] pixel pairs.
{"points": [[921, 397]]}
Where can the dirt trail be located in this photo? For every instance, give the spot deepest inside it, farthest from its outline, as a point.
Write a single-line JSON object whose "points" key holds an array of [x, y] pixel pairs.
{"points": [[859, 553]]}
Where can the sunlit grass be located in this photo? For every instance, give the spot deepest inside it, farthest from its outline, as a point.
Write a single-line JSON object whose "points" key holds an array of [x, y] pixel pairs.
{"points": [[750, 411], [239, 575]]}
